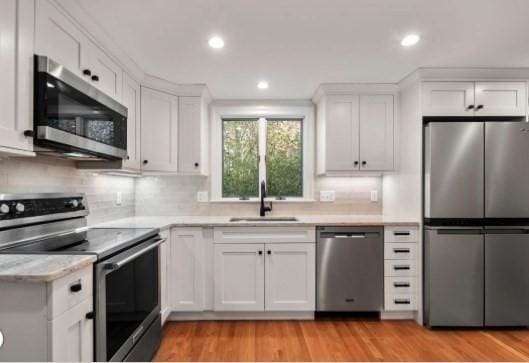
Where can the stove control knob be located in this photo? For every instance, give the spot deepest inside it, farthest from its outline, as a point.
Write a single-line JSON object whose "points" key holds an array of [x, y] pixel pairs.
{"points": [[4, 209], [74, 203], [20, 207]]}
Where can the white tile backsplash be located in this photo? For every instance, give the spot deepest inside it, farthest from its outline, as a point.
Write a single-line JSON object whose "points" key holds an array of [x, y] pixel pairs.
{"points": [[49, 174]]}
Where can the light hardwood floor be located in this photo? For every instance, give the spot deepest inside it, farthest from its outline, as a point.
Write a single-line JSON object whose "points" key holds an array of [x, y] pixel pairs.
{"points": [[336, 340]]}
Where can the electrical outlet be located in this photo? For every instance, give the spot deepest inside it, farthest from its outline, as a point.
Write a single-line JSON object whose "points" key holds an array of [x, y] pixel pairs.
{"points": [[202, 197], [327, 195], [119, 198], [374, 195]]}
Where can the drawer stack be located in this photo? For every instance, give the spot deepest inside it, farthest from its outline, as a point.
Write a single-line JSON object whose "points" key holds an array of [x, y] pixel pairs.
{"points": [[400, 267]]}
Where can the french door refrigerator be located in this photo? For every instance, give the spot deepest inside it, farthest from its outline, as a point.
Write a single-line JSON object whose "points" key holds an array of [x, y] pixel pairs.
{"points": [[476, 208]]}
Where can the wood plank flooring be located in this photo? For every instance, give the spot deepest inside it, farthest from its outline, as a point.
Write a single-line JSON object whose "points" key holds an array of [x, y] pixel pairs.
{"points": [[336, 340]]}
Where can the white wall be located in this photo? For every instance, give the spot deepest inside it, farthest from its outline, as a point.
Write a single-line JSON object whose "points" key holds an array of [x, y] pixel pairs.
{"points": [[46, 174]]}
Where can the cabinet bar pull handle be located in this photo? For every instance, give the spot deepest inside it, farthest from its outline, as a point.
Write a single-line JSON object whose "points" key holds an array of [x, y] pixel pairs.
{"points": [[401, 250], [403, 233], [401, 284], [401, 267], [402, 301], [76, 287]]}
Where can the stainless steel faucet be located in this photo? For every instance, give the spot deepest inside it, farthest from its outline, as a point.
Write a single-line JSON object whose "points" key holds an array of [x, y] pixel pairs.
{"points": [[264, 208]]}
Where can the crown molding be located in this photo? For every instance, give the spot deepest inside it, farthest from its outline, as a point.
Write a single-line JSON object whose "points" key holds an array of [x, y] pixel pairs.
{"points": [[327, 89]]}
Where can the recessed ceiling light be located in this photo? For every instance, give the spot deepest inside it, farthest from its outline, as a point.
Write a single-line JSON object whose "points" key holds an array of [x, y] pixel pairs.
{"points": [[216, 42], [409, 40], [262, 85]]}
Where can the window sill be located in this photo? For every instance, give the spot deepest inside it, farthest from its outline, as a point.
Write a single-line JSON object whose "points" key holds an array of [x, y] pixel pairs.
{"points": [[257, 201]]}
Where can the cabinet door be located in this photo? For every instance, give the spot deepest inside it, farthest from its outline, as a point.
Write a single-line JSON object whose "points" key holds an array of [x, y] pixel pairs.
{"points": [[290, 277], [447, 98], [58, 38], [187, 271], [501, 98], [165, 250], [131, 100], [376, 132], [72, 335], [239, 277], [108, 72], [189, 134], [159, 122], [342, 137]]}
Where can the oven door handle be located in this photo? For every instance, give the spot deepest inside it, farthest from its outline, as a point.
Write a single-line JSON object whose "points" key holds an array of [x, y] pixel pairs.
{"points": [[117, 265]]}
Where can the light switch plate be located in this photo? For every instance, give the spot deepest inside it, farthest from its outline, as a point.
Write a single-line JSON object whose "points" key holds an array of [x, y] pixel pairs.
{"points": [[374, 195], [327, 195], [119, 198], [202, 197]]}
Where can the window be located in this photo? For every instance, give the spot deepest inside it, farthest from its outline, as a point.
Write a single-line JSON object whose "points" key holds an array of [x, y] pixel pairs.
{"points": [[268, 149]]}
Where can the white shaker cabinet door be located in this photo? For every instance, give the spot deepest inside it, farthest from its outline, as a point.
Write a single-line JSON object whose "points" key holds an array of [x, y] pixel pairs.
{"points": [[239, 277], [72, 335], [107, 75], [290, 277], [159, 130], [376, 132], [501, 99], [187, 272], [342, 137], [131, 100], [189, 135], [448, 98]]}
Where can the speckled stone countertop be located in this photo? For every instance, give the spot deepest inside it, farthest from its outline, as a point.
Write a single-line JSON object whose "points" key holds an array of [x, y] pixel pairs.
{"points": [[41, 268], [164, 222]]}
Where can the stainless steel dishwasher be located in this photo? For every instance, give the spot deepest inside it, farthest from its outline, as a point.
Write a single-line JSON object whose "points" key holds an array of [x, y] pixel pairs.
{"points": [[350, 269]]}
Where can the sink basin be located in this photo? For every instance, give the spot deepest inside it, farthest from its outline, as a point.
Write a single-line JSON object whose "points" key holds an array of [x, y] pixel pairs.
{"points": [[263, 219]]}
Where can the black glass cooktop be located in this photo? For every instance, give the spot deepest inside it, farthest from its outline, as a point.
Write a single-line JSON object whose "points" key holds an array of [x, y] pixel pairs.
{"points": [[102, 242]]}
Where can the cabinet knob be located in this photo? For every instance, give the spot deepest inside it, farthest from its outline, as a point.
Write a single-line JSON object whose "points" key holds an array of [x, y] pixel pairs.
{"points": [[29, 133], [76, 287], [356, 163], [269, 252], [145, 162], [196, 165], [90, 315], [87, 72], [364, 163], [469, 107], [479, 107], [128, 157], [95, 78], [260, 252]]}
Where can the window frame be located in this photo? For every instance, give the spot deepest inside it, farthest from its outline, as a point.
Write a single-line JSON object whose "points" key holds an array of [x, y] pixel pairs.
{"points": [[284, 110]]}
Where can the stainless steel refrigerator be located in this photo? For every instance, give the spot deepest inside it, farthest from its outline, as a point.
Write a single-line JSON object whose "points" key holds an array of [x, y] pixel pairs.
{"points": [[476, 215]]}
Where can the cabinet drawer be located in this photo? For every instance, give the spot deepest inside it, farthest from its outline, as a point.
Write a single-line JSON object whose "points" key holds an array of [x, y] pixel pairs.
{"points": [[400, 251], [400, 268], [265, 235], [400, 302], [69, 291], [401, 234], [400, 285]]}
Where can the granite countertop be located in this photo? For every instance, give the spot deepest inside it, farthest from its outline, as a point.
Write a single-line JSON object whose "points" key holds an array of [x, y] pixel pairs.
{"points": [[41, 268], [164, 222]]}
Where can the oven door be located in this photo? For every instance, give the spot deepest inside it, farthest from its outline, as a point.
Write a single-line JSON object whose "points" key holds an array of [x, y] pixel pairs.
{"points": [[127, 299]]}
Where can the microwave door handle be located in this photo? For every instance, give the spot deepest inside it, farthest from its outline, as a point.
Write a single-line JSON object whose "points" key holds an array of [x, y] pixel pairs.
{"points": [[117, 265]]}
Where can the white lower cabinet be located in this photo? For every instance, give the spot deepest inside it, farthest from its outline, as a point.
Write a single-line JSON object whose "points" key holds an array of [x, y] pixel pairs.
{"points": [[239, 277], [290, 273], [186, 279], [72, 335], [265, 277]]}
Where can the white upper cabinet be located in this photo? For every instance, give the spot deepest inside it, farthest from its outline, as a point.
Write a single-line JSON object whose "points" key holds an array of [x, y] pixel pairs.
{"points": [[355, 133], [474, 98], [192, 125], [376, 132], [500, 99], [239, 277], [61, 40], [448, 98], [16, 77], [131, 100], [342, 133], [290, 277], [159, 130], [187, 270]]}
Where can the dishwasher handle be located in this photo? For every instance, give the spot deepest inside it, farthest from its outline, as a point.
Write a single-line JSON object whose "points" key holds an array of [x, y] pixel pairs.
{"points": [[349, 235]]}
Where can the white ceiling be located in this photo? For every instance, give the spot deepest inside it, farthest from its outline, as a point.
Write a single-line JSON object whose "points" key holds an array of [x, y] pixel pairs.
{"points": [[297, 44]]}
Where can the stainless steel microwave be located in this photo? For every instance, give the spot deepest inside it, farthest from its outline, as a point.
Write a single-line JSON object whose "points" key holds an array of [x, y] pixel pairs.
{"points": [[75, 119]]}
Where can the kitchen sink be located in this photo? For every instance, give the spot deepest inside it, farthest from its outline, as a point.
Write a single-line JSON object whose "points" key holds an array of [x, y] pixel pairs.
{"points": [[263, 219]]}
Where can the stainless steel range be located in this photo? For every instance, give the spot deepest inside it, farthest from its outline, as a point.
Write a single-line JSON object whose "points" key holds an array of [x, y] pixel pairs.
{"points": [[126, 275]]}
